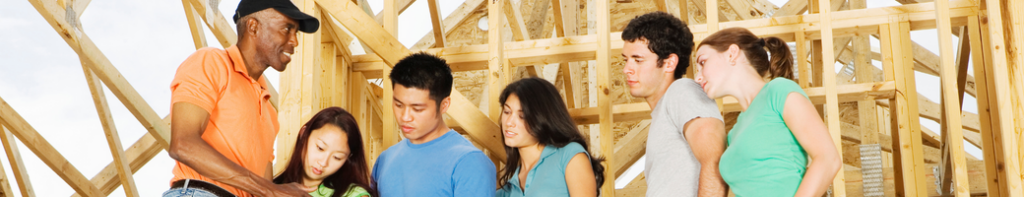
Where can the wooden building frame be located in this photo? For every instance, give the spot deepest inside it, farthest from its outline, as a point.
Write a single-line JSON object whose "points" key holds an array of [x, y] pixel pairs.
{"points": [[326, 73]]}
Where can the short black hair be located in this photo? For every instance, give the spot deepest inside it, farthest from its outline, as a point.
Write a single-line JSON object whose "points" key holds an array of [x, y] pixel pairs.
{"points": [[665, 35], [424, 71]]}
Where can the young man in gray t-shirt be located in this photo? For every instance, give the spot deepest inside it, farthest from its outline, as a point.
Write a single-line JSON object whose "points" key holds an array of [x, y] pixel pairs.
{"points": [[687, 135]]}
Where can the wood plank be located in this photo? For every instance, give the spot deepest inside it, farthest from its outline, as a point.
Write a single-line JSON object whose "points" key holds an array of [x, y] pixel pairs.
{"points": [[631, 147], [952, 136], [988, 148], [1014, 22], [483, 132], [53, 159], [105, 70], [515, 20], [831, 97], [803, 66], [866, 107], [224, 31], [711, 17], [436, 23], [140, 153], [1002, 92], [908, 157], [17, 166], [193, 18], [565, 16], [454, 19], [113, 139], [498, 72], [5, 183], [604, 100]]}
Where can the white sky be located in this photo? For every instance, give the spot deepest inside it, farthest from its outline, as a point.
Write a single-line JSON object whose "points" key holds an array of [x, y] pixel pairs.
{"points": [[41, 78]]}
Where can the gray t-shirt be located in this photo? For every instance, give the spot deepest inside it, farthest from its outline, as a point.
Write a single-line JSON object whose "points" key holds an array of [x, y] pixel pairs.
{"points": [[671, 169]]}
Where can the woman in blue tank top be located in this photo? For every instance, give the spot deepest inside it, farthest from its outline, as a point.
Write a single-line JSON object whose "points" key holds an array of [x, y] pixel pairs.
{"points": [[547, 155]]}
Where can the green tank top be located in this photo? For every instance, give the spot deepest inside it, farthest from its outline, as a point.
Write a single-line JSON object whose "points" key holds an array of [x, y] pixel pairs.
{"points": [[762, 157], [353, 191]]}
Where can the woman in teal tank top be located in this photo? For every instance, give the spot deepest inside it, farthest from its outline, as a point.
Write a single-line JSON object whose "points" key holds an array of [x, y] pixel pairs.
{"points": [[779, 145], [329, 156], [547, 155]]}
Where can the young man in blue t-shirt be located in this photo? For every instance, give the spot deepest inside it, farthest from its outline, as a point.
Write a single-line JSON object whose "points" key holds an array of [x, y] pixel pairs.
{"points": [[432, 160]]}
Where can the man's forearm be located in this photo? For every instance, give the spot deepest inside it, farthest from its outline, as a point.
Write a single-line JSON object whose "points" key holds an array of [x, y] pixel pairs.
{"points": [[711, 183], [204, 159]]}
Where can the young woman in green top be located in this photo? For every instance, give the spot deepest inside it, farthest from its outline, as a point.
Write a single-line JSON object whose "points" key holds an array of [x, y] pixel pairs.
{"points": [[329, 156], [779, 145]]}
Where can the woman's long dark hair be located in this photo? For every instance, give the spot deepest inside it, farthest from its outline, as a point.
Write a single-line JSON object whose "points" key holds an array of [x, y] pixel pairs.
{"points": [[548, 120], [354, 171]]}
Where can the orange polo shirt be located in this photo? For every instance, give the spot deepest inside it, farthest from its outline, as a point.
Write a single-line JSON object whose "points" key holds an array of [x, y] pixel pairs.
{"points": [[242, 124]]}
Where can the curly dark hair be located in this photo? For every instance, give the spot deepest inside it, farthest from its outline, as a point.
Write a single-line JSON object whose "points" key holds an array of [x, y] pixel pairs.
{"points": [[665, 35]]}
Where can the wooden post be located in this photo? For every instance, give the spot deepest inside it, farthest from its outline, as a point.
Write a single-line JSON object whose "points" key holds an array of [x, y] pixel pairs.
{"points": [[979, 58], [436, 23], [389, 127], [99, 98], [909, 161], [953, 135], [497, 69], [604, 101], [17, 166], [831, 98], [1004, 117], [5, 183], [300, 82], [198, 35]]}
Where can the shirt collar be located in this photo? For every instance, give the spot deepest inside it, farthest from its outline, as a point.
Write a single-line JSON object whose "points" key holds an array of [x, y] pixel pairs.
{"points": [[238, 64]]}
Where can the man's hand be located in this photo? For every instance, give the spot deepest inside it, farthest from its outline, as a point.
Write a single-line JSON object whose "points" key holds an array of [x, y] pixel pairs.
{"points": [[289, 189]]}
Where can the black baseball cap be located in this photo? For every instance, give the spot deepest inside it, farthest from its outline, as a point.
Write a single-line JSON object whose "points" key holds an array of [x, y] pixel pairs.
{"points": [[307, 23]]}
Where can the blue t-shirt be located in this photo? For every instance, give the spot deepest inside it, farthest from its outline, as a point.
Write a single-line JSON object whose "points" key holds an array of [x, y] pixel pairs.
{"points": [[447, 166], [547, 178]]}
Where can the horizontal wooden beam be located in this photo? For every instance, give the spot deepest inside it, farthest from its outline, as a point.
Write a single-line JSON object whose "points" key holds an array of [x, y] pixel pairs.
{"points": [[581, 48], [44, 150], [847, 93]]}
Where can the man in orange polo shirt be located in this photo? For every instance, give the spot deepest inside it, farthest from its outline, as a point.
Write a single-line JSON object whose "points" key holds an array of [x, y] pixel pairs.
{"points": [[222, 123]]}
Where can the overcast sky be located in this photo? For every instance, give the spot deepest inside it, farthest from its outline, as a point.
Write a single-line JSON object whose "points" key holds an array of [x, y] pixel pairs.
{"points": [[41, 78]]}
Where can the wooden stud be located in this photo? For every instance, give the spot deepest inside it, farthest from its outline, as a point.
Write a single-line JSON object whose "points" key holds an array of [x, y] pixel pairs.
{"points": [[198, 35], [113, 140], [908, 157], [302, 98], [79, 6], [99, 64], [952, 136], [17, 166], [498, 71], [400, 5], [631, 147], [711, 17], [1014, 22], [604, 101], [140, 153], [454, 19], [565, 15], [1003, 95], [5, 183], [866, 107], [831, 97], [515, 20], [803, 66], [979, 58], [35, 142], [224, 31], [436, 23]]}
